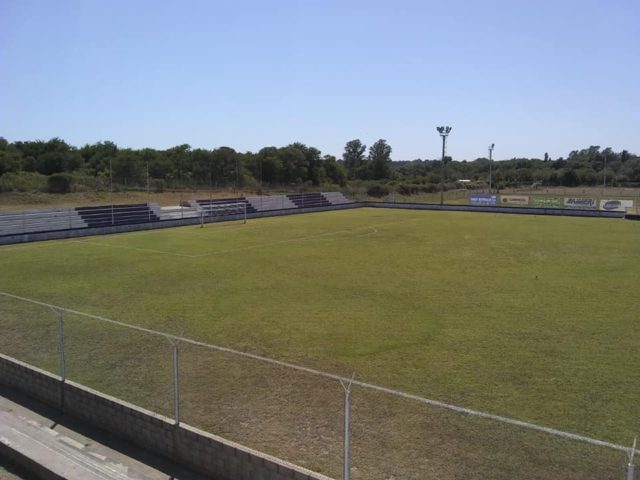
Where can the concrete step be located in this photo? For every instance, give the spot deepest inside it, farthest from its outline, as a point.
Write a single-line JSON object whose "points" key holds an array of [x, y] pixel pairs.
{"points": [[48, 449]]}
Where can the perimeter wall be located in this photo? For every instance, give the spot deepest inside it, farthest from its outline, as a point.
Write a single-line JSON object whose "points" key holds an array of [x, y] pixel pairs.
{"points": [[181, 443]]}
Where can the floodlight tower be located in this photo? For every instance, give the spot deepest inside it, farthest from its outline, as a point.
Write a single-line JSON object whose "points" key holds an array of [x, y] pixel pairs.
{"points": [[444, 132], [490, 164]]}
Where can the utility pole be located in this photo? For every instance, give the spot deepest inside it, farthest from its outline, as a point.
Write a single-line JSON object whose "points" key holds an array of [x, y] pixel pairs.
{"points": [[113, 221], [490, 165], [444, 132]]}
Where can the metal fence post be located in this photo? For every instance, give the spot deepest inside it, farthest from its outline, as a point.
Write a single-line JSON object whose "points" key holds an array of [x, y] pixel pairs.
{"points": [[176, 384], [631, 469], [346, 471], [63, 368]]}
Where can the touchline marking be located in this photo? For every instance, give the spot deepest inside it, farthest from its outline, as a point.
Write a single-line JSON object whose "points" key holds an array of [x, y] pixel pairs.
{"points": [[332, 376]]}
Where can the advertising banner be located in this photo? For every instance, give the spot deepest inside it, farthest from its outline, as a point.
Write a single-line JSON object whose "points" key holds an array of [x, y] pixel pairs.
{"points": [[483, 199], [514, 200], [584, 203], [615, 205], [546, 202]]}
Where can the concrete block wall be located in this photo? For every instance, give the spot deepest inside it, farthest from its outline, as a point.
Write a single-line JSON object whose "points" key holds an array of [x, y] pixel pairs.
{"points": [[199, 450]]}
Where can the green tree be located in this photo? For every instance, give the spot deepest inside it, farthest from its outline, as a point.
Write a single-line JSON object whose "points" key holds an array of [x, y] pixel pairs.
{"points": [[336, 173], [354, 159], [380, 160]]}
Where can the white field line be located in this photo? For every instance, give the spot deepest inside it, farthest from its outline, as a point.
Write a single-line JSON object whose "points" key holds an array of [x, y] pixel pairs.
{"points": [[310, 237], [185, 255], [279, 242], [339, 378], [373, 231]]}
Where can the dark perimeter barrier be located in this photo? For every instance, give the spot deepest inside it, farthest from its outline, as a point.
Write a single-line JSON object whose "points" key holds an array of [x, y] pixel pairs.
{"points": [[131, 218]]}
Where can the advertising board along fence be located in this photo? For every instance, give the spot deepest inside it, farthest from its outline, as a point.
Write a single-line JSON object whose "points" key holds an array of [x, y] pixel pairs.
{"points": [[546, 202], [514, 200], [615, 205], [585, 203], [483, 200]]}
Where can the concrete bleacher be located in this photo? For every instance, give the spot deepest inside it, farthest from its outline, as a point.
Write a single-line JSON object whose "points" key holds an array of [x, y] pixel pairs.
{"points": [[204, 203], [336, 198], [265, 203], [309, 200], [177, 212], [59, 219], [31, 221], [106, 215]]}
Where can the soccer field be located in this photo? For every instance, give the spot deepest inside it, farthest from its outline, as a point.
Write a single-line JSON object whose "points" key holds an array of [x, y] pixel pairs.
{"points": [[530, 317]]}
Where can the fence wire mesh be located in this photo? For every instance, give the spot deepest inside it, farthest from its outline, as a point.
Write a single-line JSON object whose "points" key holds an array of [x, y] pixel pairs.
{"points": [[127, 364], [293, 414], [396, 438], [289, 414], [30, 333]]}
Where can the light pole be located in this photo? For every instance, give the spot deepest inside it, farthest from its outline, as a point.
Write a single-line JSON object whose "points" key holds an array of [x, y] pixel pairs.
{"points": [[490, 164], [148, 191], [236, 192], [604, 183], [443, 131], [111, 191]]}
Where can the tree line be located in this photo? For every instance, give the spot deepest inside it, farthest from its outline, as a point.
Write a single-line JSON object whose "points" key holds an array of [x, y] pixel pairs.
{"points": [[292, 165]]}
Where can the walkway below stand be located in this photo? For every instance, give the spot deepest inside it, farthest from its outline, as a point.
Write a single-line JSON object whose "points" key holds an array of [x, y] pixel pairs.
{"points": [[49, 445]]}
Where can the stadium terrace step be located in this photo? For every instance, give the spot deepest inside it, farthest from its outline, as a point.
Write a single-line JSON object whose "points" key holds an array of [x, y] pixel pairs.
{"points": [[221, 201], [174, 213], [105, 215], [31, 221], [336, 198], [309, 200], [265, 203], [50, 446]]}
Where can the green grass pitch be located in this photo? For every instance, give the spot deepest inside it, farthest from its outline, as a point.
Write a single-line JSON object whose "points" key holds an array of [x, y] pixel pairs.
{"points": [[535, 318]]}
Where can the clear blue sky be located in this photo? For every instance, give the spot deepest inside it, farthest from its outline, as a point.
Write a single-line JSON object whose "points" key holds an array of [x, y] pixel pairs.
{"points": [[531, 76]]}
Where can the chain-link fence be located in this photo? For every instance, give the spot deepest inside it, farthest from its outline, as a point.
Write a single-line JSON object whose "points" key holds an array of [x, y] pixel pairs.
{"points": [[342, 427]]}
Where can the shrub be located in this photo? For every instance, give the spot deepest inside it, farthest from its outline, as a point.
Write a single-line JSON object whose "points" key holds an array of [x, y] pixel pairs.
{"points": [[429, 188], [158, 185], [377, 191], [407, 189], [22, 182], [59, 183]]}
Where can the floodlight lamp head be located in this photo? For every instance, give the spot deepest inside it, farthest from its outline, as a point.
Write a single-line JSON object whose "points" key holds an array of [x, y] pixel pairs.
{"points": [[492, 145], [440, 129], [447, 130]]}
